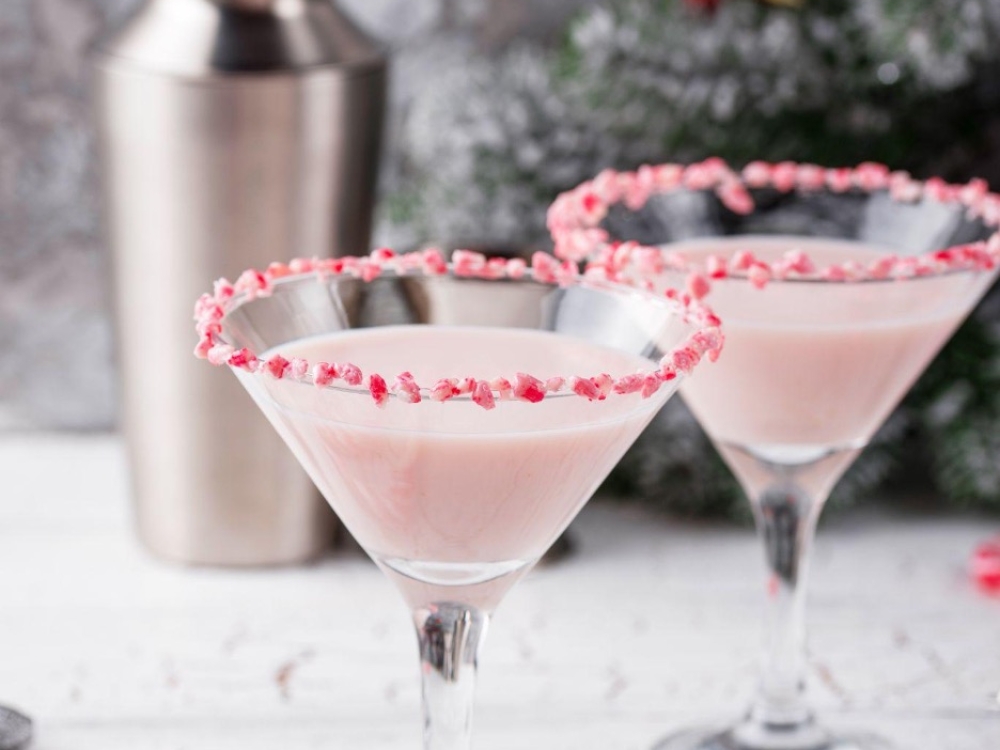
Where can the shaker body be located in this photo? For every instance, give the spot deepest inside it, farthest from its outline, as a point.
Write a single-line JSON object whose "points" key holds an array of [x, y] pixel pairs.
{"points": [[205, 176]]}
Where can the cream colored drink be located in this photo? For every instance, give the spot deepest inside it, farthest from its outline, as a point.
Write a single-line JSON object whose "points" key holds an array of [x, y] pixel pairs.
{"points": [[818, 364], [449, 493]]}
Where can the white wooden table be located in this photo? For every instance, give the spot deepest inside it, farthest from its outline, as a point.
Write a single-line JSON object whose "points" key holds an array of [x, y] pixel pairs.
{"points": [[650, 626]]}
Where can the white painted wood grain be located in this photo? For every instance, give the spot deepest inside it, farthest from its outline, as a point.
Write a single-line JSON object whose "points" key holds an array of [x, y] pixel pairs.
{"points": [[652, 625]]}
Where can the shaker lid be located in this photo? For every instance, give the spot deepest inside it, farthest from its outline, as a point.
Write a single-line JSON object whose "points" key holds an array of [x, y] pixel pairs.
{"points": [[231, 37]]}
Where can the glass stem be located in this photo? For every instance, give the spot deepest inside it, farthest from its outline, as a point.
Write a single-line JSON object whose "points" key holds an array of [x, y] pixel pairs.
{"points": [[786, 519], [450, 636]]}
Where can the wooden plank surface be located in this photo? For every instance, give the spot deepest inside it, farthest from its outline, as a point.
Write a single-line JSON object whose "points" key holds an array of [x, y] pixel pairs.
{"points": [[651, 625]]}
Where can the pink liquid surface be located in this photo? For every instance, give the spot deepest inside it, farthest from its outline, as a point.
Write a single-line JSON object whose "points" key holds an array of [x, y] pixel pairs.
{"points": [[818, 364], [451, 494]]}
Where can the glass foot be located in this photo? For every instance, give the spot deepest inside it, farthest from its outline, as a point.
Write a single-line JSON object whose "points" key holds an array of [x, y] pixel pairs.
{"points": [[15, 729], [753, 736]]}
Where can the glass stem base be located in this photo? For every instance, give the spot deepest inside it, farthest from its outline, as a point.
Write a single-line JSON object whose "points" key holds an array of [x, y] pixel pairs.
{"points": [[753, 735], [760, 734], [15, 729]]}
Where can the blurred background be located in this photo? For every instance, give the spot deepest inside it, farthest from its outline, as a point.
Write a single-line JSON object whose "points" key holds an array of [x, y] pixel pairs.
{"points": [[54, 287], [494, 107]]}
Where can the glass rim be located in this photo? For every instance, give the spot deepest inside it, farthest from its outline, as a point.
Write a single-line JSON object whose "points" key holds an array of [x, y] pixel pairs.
{"points": [[211, 310], [575, 217], [743, 277]]}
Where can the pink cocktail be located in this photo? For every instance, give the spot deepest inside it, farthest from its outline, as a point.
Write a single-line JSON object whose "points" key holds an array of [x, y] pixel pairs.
{"points": [[454, 497], [837, 288], [813, 369], [456, 417]]}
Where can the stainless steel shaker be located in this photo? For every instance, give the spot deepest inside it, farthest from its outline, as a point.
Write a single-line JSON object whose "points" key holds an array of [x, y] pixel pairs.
{"points": [[233, 133]]}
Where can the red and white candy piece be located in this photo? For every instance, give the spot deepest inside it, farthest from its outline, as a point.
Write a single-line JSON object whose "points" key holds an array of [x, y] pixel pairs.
{"points": [[985, 566]]}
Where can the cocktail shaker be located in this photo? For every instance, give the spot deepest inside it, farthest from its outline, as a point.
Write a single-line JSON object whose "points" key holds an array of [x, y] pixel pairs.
{"points": [[233, 133]]}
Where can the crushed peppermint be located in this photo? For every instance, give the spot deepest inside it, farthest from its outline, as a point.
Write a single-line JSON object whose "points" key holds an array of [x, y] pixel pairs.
{"points": [[210, 309], [984, 566], [574, 221]]}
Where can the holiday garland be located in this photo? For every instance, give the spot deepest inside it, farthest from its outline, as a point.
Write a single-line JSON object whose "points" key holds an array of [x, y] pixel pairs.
{"points": [[637, 81]]}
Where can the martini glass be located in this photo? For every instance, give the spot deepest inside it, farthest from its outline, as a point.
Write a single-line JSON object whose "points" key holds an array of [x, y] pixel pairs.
{"points": [[15, 729], [455, 416], [837, 287]]}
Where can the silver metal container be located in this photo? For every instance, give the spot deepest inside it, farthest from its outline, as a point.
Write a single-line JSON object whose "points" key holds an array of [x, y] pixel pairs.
{"points": [[233, 133]]}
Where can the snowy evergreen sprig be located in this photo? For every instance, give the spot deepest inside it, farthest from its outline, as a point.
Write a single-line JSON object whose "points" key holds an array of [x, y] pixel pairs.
{"points": [[651, 80]]}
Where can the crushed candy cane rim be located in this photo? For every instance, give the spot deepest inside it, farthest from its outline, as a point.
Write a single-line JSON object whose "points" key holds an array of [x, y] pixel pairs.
{"points": [[211, 308], [574, 222]]}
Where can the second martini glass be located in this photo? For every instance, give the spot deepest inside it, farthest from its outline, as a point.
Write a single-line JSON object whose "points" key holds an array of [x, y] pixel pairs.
{"points": [[838, 287], [455, 416]]}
